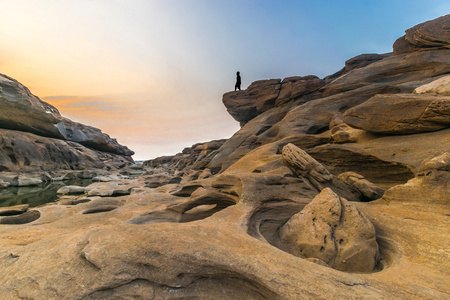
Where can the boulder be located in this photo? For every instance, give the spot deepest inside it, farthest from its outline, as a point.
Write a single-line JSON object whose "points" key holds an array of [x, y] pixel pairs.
{"points": [[304, 166], [71, 190], [368, 190], [333, 230], [424, 36], [266, 94], [401, 114], [4, 184], [439, 86], [107, 189]]}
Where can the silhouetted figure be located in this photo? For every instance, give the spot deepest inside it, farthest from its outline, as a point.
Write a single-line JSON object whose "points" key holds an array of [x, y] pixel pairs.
{"points": [[238, 82]]}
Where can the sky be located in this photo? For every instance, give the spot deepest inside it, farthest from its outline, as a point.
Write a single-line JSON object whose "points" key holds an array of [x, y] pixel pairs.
{"points": [[152, 73]]}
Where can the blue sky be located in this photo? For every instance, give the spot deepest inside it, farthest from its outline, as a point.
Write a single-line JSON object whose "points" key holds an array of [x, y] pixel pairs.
{"points": [[152, 73]]}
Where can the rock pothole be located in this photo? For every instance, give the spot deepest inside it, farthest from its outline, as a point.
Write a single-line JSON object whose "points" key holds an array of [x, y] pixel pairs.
{"points": [[102, 205], [194, 209], [329, 231], [24, 218]]}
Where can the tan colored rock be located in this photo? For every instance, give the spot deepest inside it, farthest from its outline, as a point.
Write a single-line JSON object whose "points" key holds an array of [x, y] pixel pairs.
{"points": [[304, 166], [439, 86], [401, 114], [71, 190], [431, 185], [406, 71], [257, 98], [296, 86], [14, 210], [356, 62], [92, 137], [343, 133], [22, 151], [368, 190], [334, 231], [107, 189]]}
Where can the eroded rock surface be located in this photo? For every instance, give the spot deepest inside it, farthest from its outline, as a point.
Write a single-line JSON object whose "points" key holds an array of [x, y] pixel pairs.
{"points": [[401, 114], [234, 219], [430, 34], [34, 136]]}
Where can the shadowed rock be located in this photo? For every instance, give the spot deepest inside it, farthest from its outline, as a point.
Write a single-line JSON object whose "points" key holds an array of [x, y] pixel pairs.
{"points": [[430, 34]]}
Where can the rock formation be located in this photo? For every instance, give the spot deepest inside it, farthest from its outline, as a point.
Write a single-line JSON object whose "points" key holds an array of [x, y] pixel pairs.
{"points": [[265, 214], [331, 229], [35, 137]]}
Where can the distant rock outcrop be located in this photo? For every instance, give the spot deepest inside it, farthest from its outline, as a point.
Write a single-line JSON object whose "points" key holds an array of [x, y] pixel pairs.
{"points": [[34, 136], [331, 229]]}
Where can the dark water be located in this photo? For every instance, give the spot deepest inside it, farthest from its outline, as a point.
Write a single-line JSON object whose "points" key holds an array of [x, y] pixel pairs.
{"points": [[35, 195]]}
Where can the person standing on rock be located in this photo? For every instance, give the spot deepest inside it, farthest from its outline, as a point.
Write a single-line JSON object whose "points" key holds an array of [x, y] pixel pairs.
{"points": [[238, 81]]}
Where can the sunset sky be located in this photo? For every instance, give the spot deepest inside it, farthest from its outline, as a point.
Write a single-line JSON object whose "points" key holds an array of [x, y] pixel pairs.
{"points": [[152, 73]]}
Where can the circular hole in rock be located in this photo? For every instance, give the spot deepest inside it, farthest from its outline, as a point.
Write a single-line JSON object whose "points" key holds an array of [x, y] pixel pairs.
{"points": [[26, 217], [204, 208], [99, 209]]}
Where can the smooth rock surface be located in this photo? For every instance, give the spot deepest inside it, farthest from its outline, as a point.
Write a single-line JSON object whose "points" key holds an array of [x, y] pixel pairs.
{"points": [[439, 86], [401, 114]]}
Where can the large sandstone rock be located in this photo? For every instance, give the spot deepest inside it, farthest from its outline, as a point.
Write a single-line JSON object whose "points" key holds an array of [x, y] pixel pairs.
{"points": [[334, 231], [21, 110], [294, 87], [22, 151], [355, 63], [304, 166], [263, 95], [343, 133], [401, 114], [257, 98], [92, 137], [430, 34], [439, 86], [407, 71]]}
